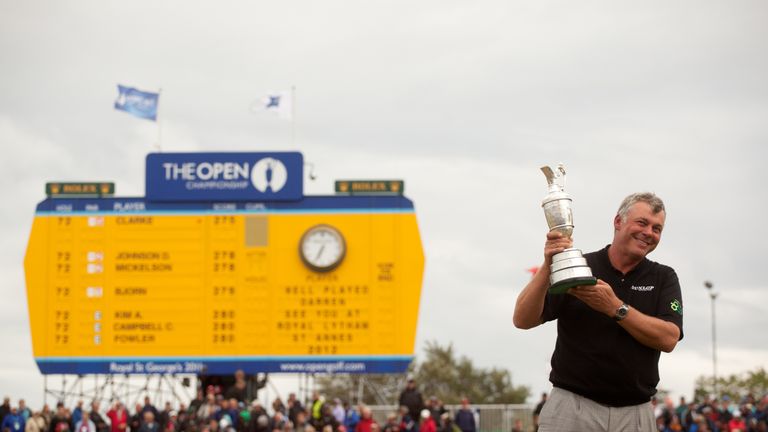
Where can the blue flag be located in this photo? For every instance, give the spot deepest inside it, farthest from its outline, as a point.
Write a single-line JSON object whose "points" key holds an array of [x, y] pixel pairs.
{"points": [[139, 103]]}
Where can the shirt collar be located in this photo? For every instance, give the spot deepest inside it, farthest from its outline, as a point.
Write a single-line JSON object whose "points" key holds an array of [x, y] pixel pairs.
{"points": [[603, 254]]}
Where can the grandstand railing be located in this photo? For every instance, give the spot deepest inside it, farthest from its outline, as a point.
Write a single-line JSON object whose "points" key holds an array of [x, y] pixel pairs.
{"points": [[488, 418]]}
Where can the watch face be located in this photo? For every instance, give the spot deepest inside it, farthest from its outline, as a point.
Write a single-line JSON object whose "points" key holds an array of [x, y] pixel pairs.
{"points": [[621, 312], [322, 248]]}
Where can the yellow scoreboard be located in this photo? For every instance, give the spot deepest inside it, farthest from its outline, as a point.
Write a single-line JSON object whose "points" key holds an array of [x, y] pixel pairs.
{"points": [[126, 285]]}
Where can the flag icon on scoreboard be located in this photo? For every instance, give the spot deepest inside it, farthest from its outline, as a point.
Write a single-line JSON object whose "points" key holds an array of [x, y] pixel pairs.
{"points": [[139, 103]]}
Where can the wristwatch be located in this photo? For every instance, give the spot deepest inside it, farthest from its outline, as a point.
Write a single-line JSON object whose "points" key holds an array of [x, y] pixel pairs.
{"points": [[621, 312]]}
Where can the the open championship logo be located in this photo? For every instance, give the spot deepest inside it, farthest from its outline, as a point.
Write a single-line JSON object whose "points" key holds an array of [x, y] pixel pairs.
{"points": [[224, 176], [269, 175]]}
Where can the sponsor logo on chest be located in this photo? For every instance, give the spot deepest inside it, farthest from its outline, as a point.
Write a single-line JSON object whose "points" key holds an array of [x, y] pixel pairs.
{"points": [[644, 288]]}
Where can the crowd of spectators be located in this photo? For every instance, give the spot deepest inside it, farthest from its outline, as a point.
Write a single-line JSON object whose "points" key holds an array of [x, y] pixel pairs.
{"points": [[214, 410], [748, 414]]}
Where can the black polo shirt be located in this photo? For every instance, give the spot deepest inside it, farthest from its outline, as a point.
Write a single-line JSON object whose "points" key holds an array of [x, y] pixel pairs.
{"points": [[594, 356]]}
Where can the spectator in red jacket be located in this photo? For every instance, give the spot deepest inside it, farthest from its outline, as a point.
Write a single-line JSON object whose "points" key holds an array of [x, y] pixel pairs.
{"points": [[366, 420], [427, 422], [118, 416]]}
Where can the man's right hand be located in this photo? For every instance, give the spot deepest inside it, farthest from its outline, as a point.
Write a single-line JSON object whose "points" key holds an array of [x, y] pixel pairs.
{"points": [[556, 243]]}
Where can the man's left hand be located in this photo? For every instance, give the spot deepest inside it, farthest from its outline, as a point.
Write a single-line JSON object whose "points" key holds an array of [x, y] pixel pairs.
{"points": [[599, 297]]}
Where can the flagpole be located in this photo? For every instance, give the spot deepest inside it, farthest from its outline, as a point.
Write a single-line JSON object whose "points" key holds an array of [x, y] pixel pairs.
{"points": [[159, 124], [293, 117]]}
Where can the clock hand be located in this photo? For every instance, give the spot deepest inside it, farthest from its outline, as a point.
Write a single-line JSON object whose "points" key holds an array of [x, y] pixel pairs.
{"points": [[320, 252]]}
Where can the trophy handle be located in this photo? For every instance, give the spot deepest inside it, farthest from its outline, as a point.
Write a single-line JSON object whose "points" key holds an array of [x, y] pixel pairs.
{"points": [[549, 174]]}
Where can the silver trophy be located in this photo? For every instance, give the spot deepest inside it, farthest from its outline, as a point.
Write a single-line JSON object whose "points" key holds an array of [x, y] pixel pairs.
{"points": [[569, 268]]}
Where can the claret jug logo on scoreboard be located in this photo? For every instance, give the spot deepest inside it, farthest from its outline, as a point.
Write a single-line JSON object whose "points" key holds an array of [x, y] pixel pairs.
{"points": [[269, 174], [274, 176]]}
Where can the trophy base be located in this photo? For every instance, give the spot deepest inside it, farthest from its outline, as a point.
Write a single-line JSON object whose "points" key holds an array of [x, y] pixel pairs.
{"points": [[563, 286], [569, 269]]}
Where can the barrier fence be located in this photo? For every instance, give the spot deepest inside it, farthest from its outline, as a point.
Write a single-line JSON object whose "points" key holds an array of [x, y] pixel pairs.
{"points": [[488, 418]]}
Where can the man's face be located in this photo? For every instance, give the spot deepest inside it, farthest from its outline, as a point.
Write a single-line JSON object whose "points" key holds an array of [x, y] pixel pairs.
{"points": [[640, 233]]}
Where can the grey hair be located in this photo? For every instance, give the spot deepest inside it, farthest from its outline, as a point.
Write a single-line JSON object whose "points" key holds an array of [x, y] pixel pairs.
{"points": [[657, 205]]}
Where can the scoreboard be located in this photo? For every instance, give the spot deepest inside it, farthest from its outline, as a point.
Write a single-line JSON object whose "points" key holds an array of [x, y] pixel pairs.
{"points": [[131, 286]]}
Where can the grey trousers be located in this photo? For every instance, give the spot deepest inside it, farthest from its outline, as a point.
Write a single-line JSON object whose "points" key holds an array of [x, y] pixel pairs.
{"points": [[568, 412]]}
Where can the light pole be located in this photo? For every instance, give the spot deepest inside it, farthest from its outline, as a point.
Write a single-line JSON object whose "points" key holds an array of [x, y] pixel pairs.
{"points": [[713, 295]]}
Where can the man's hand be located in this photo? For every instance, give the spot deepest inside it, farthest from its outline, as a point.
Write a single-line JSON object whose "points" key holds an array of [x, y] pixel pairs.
{"points": [[650, 331], [556, 243], [599, 297]]}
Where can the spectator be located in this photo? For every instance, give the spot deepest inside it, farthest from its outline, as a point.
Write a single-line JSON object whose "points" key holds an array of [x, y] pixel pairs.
{"points": [[294, 408], [118, 417], [208, 409], [300, 424], [407, 423], [134, 423], [351, 417], [391, 425], [447, 424], [61, 421], [465, 418], [148, 407], [165, 416], [327, 420], [97, 419], [23, 410], [13, 421], [197, 402], [427, 422], [366, 420], [317, 407], [77, 413], [36, 423], [149, 424], [411, 398], [737, 424], [170, 424], [5, 408], [259, 422], [224, 415], [278, 421], [517, 426], [245, 418], [238, 390], [437, 409], [338, 411], [47, 416], [213, 425], [85, 424], [182, 418], [278, 406]]}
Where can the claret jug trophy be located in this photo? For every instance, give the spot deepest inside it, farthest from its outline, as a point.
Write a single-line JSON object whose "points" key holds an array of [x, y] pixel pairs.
{"points": [[569, 268]]}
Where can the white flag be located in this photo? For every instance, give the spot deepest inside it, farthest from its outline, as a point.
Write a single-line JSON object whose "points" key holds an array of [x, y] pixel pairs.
{"points": [[279, 102]]}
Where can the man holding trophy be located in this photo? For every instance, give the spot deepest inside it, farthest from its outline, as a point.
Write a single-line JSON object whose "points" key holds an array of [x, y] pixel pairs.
{"points": [[616, 311]]}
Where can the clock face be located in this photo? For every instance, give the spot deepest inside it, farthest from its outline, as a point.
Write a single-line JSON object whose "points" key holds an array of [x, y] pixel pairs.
{"points": [[322, 248]]}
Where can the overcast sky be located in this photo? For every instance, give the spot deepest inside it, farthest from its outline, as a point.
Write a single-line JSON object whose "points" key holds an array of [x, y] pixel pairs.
{"points": [[464, 100]]}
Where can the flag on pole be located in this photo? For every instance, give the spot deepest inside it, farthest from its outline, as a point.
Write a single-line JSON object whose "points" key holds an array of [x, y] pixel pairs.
{"points": [[139, 103], [280, 103]]}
